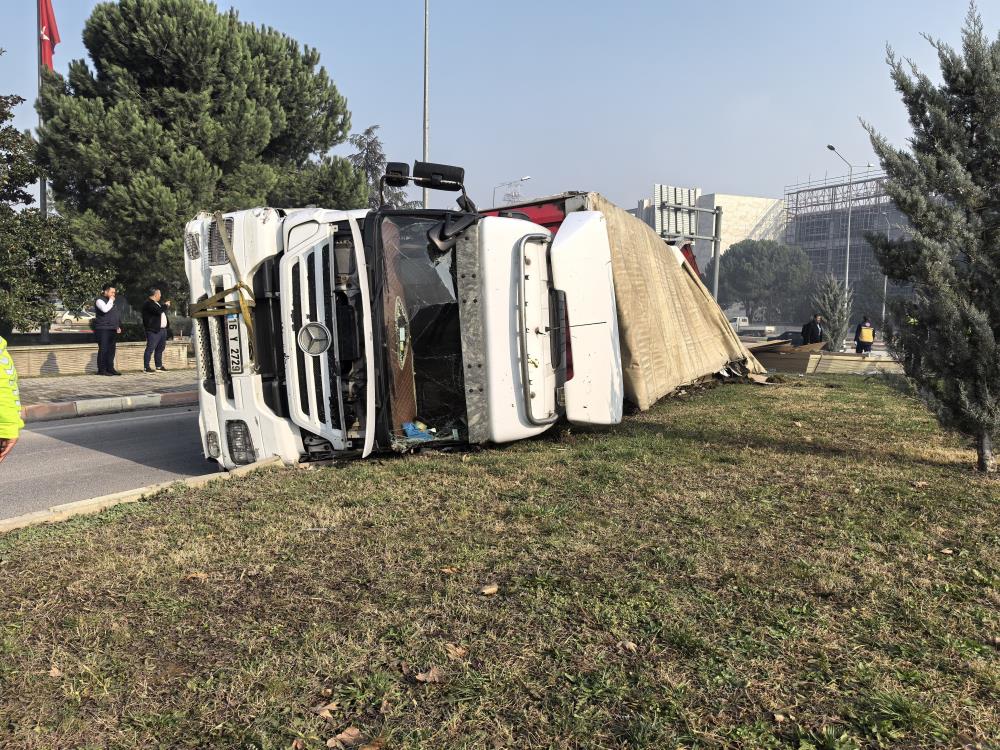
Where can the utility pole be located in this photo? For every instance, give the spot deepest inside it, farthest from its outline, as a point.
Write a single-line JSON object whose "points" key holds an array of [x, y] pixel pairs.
{"points": [[427, 16], [43, 198], [717, 252]]}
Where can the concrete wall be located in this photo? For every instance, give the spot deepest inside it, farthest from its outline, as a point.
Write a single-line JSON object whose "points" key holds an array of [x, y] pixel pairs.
{"points": [[81, 359], [743, 217]]}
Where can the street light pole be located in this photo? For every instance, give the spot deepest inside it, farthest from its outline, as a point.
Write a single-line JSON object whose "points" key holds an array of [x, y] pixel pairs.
{"points": [[885, 280], [850, 201], [426, 85]]}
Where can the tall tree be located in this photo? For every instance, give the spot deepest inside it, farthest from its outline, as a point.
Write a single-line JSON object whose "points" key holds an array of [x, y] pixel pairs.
{"points": [[369, 159], [948, 184], [833, 301], [769, 279], [186, 109], [37, 265]]}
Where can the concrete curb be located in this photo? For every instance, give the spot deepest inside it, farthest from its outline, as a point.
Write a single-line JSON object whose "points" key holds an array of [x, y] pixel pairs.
{"points": [[110, 405], [97, 504]]}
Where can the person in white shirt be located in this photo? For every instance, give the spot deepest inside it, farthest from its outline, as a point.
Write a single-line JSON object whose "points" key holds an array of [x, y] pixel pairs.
{"points": [[107, 326], [154, 320]]}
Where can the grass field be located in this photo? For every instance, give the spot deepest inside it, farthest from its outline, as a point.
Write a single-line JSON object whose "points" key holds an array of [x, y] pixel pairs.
{"points": [[812, 564]]}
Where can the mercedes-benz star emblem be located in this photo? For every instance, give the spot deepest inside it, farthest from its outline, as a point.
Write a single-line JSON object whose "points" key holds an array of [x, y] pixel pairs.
{"points": [[314, 338]]}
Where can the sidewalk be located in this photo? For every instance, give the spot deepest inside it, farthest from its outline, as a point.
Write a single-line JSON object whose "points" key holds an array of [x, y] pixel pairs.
{"points": [[78, 395]]}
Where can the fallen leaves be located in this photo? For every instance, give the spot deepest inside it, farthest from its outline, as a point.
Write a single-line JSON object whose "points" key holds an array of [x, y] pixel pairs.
{"points": [[326, 710], [489, 589], [434, 674], [196, 575], [353, 737], [456, 653], [919, 484], [55, 672], [628, 646], [449, 570]]}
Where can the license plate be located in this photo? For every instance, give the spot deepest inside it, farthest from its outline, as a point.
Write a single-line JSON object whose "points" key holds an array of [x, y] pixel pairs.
{"points": [[235, 344]]}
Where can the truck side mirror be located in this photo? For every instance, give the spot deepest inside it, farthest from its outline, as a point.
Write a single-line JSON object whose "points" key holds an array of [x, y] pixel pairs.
{"points": [[438, 176], [397, 174]]}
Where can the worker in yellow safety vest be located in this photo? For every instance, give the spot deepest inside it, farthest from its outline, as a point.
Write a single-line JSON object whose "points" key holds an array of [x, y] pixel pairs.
{"points": [[10, 402], [864, 335]]}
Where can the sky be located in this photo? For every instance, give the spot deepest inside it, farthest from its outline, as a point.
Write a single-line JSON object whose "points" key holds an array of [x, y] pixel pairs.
{"points": [[730, 96]]}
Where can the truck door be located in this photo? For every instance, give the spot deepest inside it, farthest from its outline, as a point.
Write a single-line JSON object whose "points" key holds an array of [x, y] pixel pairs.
{"points": [[580, 256]]}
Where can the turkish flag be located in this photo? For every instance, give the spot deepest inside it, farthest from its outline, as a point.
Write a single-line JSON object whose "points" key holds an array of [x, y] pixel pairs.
{"points": [[48, 32]]}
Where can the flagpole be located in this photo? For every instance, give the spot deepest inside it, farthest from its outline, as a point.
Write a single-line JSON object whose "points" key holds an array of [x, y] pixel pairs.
{"points": [[43, 198]]}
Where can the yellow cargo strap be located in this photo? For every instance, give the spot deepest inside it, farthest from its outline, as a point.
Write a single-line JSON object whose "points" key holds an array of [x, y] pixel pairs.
{"points": [[217, 304]]}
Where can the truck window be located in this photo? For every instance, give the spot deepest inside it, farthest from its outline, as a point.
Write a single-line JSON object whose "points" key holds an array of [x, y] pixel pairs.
{"points": [[423, 335]]}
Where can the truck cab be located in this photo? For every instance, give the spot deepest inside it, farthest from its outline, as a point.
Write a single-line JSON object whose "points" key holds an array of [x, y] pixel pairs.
{"points": [[323, 333]]}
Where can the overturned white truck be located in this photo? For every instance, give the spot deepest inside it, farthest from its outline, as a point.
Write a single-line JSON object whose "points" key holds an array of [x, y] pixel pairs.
{"points": [[323, 333]]}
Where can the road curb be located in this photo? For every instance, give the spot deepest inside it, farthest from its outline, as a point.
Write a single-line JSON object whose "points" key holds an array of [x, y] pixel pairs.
{"points": [[97, 504], [109, 405]]}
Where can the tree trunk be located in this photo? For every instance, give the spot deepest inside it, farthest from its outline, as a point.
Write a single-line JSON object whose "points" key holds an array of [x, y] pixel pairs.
{"points": [[984, 449]]}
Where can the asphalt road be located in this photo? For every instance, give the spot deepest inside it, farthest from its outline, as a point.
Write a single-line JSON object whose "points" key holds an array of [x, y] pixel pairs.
{"points": [[75, 459]]}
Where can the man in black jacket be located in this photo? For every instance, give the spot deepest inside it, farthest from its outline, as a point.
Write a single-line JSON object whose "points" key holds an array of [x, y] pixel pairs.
{"points": [[107, 326], [812, 332], [154, 320]]}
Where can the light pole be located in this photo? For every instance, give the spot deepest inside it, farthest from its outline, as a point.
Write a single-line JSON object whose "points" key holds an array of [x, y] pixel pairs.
{"points": [[885, 280], [850, 201], [508, 184], [426, 84]]}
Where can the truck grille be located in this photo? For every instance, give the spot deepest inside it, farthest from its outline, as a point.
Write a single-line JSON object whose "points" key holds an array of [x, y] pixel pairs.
{"points": [[217, 255], [317, 377], [192, 246], [206, 359]]}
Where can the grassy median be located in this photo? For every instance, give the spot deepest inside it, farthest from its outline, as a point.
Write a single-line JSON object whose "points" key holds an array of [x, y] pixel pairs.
{"points": [[812, 564]]}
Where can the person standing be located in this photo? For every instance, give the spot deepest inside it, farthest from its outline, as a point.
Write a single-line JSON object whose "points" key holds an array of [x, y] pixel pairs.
{"points": [[107, 326], [864, 336], [10, 402], [812, 332], [154, 320]]}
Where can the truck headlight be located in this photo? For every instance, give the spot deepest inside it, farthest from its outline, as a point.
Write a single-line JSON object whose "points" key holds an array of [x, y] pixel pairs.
{"points": [[240, 445], [212, 441]]}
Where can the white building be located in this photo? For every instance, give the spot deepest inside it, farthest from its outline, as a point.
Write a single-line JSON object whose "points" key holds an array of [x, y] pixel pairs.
{"points": [[744, 217]]}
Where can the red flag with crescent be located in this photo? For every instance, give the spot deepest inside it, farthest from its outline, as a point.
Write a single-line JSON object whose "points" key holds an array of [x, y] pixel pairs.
{"points": [[48, 32]]}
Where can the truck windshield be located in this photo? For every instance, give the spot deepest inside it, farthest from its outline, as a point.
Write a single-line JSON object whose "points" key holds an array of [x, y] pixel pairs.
{"points": [[422, 332]]}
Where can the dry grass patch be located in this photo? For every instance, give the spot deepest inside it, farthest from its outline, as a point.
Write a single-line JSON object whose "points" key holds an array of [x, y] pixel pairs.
{"points": [[789, 566]]}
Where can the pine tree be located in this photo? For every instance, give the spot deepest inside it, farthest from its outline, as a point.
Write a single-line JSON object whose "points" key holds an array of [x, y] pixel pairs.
{"points": [[186, 109], [369, 159], [948, 184], [833, 301], [37, 265]]}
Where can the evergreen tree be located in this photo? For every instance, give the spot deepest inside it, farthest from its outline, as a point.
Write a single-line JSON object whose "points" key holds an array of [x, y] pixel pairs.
{"points": [[369, 159], [769, 279], [37, 265], [948, 184], [833, 301], [186, 109]]}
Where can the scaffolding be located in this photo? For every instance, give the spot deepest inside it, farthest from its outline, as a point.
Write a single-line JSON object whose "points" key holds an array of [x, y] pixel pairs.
{"points": [[816, 221]]}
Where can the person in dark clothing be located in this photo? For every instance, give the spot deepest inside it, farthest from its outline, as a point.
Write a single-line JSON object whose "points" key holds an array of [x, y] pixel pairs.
{"points": [[107, 326], [154, 320], [864, 335], [812, 332]]}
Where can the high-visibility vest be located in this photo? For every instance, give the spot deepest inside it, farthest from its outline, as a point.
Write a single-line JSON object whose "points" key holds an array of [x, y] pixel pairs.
{"points": [[10, 400], [867, 334]]}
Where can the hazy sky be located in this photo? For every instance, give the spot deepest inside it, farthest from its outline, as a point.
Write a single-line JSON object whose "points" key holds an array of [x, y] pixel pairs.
{"points": [[729, 96]]}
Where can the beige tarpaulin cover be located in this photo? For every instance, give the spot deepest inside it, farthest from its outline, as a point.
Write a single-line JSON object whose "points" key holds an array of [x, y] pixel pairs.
{"points": [[672, 331]]}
